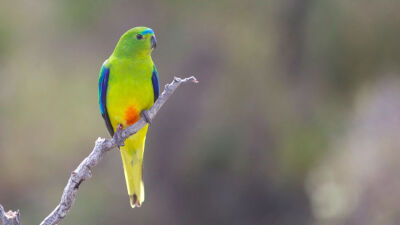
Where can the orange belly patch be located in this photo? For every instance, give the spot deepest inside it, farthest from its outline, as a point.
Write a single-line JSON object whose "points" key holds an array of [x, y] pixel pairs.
{"points": [[131, 115]]}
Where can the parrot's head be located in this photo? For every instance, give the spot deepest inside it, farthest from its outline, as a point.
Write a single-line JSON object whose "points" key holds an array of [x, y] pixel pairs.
{"points": [[138, 41]]}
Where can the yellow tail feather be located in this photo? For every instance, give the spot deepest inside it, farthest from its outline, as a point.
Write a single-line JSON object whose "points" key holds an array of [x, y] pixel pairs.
{"points": [[132, 158]]}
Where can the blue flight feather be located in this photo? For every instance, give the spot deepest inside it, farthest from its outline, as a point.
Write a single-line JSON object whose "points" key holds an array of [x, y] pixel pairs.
{"points": [[156, 85], [103, 84]]}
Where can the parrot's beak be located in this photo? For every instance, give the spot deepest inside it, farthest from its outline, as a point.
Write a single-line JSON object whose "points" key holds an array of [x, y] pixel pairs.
{"points": [[153, 42]]}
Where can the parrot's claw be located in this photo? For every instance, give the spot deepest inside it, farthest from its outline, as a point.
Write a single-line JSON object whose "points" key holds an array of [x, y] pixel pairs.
{"points": [[146, 116], [117, 135]]}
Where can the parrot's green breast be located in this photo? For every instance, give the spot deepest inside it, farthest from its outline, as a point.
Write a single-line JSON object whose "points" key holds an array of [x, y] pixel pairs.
{"points": [[130, 89]]}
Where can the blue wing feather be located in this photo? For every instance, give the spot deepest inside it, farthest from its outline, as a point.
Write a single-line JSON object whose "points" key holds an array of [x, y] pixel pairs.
{"points": [[156, 85], [103, 84]]}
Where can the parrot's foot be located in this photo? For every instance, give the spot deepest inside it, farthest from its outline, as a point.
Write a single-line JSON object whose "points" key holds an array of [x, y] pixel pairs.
{"points": [[117, 135], [146, 116]]}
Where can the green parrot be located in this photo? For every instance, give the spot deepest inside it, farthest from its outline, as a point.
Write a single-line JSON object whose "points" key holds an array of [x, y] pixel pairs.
{"points": [[128, 86]]}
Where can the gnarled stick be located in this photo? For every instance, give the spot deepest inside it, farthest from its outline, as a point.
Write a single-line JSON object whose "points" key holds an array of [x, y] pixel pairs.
{"points": [[83, 171]]}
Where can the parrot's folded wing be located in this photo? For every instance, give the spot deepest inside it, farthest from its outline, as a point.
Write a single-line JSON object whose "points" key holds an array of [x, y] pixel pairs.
{"points": [[156, 85], [103, 83]]}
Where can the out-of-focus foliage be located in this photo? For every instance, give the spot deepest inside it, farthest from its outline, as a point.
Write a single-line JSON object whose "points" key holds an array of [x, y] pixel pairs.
{"points": [[295, 119]]}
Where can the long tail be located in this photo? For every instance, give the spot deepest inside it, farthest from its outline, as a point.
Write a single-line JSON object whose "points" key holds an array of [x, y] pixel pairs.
{"points": [[132, 159]]}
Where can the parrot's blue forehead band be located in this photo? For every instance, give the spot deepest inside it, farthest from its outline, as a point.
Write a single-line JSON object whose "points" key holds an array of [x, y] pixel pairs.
{"points": [[148, 31]]}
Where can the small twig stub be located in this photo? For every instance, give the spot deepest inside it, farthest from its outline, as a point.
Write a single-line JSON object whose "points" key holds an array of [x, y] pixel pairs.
{"points": [[10, 217]]}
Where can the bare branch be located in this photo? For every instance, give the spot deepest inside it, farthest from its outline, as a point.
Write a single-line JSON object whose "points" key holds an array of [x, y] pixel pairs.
{"points": [[83, 171]]}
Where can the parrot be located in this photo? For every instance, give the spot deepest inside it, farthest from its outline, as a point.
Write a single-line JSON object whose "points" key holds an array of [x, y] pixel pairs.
{"points": [[128, 87]]}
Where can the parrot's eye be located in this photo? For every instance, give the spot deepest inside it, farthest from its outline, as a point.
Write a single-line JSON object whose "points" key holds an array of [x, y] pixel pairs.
{"points": [[139, 37]]}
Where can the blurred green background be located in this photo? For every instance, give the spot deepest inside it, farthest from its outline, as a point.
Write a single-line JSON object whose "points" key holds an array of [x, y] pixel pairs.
{"points": [[296, 119]]}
